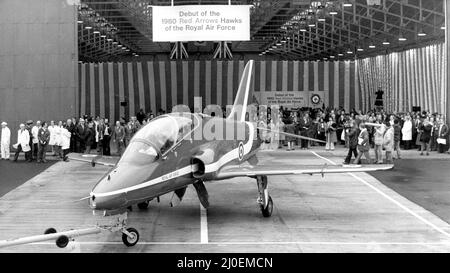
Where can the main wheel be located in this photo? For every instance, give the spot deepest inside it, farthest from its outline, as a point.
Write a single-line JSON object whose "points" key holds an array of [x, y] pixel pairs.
{"points": [[50, 231], [130, 241], [62, 241], [143, 205], [267, 212]]}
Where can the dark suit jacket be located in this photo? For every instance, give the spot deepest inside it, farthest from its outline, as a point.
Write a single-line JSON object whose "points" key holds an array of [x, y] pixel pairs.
{"points": [[43, 136], [81, 133], [365, 143], [304, 126]]}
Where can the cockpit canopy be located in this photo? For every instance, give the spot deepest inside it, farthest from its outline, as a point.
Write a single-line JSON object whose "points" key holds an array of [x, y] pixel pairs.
{"points": [[157, 138]]}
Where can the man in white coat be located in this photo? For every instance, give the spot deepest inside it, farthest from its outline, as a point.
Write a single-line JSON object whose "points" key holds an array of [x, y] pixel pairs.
{"points": [[23, 142], [5, 140], [407, 132]]}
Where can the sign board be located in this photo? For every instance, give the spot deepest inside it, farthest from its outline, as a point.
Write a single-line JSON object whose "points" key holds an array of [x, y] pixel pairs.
{"points": [[291, 99], [201, 23]]}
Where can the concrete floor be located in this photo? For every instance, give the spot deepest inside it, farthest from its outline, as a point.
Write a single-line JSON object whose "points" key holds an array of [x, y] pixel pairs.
{"points": [[337, 213]]}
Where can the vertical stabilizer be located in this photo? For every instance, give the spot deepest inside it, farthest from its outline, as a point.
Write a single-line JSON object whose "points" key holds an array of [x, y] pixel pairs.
{"points": [[240, 103]]}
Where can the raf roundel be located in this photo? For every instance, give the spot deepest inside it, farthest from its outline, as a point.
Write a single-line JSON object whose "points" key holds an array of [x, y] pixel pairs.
{"points": [[241, 151], [315, 99]]}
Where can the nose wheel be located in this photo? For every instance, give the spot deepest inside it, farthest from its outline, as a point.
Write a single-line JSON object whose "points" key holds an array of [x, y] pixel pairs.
{"points": [[130, 237]]}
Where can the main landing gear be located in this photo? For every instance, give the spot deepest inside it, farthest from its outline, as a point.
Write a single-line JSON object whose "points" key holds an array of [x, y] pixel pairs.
{"points": [[264, 200]]}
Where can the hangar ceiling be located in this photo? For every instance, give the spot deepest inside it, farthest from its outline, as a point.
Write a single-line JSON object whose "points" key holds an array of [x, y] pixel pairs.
{"points": [[287, 29]]}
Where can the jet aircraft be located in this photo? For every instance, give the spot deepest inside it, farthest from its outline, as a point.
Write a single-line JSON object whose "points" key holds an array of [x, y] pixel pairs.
{"points": [[171, 152]]}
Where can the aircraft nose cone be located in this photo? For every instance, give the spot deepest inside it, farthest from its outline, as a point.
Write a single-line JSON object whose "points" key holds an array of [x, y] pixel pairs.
{"points": [[112, 190], [110, 202]]}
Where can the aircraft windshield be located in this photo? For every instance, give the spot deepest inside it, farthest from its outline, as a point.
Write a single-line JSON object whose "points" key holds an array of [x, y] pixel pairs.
{"points": [[157, 137], [139, 152]]}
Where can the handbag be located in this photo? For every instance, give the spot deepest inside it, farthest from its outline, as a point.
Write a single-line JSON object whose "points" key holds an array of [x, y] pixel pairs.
{"points": [[442, 141], [343, 135]]}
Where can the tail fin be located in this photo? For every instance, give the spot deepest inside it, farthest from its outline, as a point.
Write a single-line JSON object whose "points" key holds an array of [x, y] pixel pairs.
{"points": [[240, 103]]}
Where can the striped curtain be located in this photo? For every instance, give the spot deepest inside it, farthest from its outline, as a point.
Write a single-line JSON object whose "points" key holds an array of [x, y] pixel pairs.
{"points": [[162, 85], [410, 78]]}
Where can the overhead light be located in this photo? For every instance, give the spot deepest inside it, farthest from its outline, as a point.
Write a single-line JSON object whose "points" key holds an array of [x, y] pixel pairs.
{"points": [[274, 46], [278, 44], [270, 49], [96, 32], [135, 55], [386, 42], [109, 40], [402, 39], [421, 34], [103, 36], [333, 12], [340, 54], [321, 19], [88, 27], [283, 41], [347, 4], [311, 24], [303, 29], [349, 51], [372, 46], [79, 22], [332, 57], [127, 50], [360, 49], [115, 43]]}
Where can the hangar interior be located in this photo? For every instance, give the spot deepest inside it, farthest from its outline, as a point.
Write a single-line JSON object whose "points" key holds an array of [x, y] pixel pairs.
{"points": [[74, 49], [66, 58]]}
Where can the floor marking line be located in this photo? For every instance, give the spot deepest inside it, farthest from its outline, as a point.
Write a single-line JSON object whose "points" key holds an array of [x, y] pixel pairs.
{"points": [[390, 199], [203, 225], [261, 243]]}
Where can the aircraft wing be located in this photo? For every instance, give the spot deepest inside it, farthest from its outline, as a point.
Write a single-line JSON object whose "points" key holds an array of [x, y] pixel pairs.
{"points": [[256, 170], [95, 159]]}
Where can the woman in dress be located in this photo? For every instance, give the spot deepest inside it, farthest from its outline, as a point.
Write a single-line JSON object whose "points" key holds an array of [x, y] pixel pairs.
{"points": [[330, 130]]}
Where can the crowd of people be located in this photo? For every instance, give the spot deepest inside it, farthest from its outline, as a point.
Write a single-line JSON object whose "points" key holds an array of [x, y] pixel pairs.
{"points": [[360, 132], [81, 135], [384, 133]]}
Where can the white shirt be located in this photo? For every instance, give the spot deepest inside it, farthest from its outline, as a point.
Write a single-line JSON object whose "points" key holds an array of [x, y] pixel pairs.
{"points": [[6, 135], [34, 132]]}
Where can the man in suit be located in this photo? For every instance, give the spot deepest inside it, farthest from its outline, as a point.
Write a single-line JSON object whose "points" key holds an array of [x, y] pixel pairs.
{"points": [[442, 136], [81, 133], [304, 125], [70, 126], [106, 138], [44, 138], [363, 144], [35, 139], [352, 134], [118, 137], [29, 155]]}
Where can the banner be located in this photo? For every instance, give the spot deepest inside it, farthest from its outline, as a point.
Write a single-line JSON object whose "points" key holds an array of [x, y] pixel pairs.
{"points": [[291, 99], [201, 23]]}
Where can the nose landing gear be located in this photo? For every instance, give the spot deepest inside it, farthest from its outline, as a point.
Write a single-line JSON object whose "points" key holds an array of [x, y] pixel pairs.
{"points": [[130, 236]]}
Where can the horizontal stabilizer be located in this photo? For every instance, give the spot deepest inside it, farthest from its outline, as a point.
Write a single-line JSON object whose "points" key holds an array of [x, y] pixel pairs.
{"points": [[94, 159]]}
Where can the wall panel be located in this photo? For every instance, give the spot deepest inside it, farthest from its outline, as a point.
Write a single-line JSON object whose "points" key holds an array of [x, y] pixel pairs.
{"points": [[38, 61], [164, 84]]}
